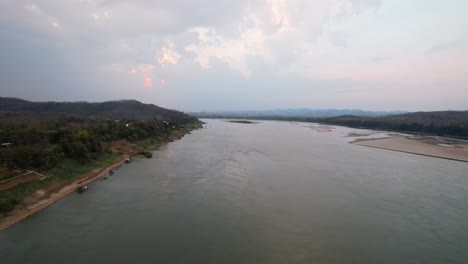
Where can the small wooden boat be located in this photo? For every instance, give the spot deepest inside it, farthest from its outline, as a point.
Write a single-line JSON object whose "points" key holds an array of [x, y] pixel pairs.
{"points": [[82, 189]]}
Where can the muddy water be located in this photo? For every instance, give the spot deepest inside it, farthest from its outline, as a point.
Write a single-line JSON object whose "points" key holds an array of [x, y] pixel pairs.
{"points": [[272, 192]]}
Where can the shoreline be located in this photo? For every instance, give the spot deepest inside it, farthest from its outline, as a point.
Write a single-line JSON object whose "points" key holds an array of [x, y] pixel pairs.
{"points": [[55, 197], [456, 152], [19, 214]]}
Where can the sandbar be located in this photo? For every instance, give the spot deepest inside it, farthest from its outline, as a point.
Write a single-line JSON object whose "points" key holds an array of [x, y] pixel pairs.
{"points": [[420, 146], [322, 129]]}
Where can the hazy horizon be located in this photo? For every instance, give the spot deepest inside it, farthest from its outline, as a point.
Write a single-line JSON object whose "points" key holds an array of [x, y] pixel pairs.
{"points": [[248, 55], [227, 110]]}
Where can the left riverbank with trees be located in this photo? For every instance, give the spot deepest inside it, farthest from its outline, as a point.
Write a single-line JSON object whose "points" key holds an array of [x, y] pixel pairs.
{"points": [[41, 152]]}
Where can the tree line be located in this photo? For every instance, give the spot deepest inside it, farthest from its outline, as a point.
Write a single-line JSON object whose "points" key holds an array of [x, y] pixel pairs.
{"points": [[78, 139]]}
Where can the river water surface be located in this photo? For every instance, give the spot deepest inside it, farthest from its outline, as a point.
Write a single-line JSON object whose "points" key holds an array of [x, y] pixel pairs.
{"points": [[273, 192]]}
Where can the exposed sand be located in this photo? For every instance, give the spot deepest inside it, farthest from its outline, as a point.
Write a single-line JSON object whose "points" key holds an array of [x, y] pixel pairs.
{"points": [[358, 135], [322, 129], [243, 122], [421, 146], [17, 216]]}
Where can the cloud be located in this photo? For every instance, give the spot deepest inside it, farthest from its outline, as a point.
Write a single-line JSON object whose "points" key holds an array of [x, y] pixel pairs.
{"points": [[234, 52], [279, 13], [169, 55], [276, 32], [145, 68], [127, 32], [379, 58], [459, 43], [148, 82], [88, 49], [339, 39]]}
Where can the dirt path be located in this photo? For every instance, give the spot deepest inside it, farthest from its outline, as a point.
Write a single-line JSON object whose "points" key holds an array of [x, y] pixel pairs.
{"points": [[13, 183]]}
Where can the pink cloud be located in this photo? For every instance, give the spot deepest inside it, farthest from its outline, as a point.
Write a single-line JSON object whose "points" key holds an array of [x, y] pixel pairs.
{"points": [[148, 82], [145, 68]]}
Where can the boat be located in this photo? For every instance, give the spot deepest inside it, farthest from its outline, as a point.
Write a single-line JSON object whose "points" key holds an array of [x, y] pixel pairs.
{"points": [[82, 189]]}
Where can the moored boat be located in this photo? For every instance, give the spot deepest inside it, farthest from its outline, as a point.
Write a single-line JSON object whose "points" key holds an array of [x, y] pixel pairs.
{"points": [[81, 189]]}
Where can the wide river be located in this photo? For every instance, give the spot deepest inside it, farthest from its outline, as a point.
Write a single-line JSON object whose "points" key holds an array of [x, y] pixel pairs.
{"points": [[273, 192]]}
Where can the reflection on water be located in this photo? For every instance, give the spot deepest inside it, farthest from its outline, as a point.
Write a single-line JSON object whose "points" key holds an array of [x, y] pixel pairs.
{"points": [[272, 192]]}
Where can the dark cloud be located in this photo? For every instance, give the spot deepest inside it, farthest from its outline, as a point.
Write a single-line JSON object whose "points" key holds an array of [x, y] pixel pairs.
{"points": [[379, 58]]}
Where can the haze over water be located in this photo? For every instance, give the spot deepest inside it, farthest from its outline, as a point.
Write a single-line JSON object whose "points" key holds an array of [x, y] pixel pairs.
{"points": [[272, 192]]}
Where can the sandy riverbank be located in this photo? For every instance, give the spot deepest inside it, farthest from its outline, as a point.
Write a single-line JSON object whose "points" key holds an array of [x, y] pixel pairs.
{"points": [[18, 215], [419, 146], [243, 122], [322, 129]]}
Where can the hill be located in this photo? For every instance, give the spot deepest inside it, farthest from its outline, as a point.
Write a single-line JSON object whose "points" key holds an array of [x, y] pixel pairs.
{"points": [[123, 109]]}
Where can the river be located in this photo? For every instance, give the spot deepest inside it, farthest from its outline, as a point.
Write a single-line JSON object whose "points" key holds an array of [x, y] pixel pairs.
{"points": [[273, 192]]}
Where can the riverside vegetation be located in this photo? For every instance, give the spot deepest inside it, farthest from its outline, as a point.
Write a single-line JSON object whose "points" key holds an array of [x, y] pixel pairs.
{"points": [[43, 151]]}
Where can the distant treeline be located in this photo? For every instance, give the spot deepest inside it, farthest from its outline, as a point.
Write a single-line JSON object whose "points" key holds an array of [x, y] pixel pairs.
{"points": [[403, 125], [443, 123]]}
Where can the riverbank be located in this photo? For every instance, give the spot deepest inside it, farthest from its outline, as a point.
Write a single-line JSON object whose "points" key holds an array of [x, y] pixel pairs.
{"points": [[430, 147], [22, 213], [42, 199]]}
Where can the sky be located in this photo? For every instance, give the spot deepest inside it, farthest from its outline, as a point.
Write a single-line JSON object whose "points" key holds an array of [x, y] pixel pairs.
{"points": [[209, 55]]}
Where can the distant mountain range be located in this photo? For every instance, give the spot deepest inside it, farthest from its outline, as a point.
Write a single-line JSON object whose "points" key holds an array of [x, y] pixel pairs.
{"points": [[298, 112], [123, 109]]}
